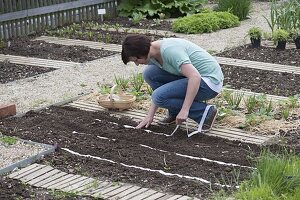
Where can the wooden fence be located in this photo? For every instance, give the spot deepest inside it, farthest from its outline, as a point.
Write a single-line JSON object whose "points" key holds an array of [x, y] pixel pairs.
{"points": [[23, 17]]}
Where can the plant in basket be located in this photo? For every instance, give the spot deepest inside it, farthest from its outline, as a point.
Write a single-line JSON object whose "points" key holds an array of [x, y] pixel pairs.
{"points": [[116, 99], [255, 34], [280, 37]]}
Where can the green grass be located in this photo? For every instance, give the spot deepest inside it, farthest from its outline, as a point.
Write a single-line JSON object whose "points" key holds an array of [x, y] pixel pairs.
{"points": [[8, 140], [276, 177]]}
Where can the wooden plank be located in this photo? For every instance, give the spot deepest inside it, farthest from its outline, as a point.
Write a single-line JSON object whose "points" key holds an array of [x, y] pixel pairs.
{"points": [[23, 170], [50, 179], [106, 190], [133, 194], [62, 181], [78, 185], [44, 176], [144, 194], [184, 198], [125, 193], [117, 191], [29, 171], [58, 180], [71, 182], [89, 190], [36, 174]]}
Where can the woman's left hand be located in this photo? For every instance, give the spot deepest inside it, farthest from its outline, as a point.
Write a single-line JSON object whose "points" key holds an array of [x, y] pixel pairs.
{"points": [[182, 116]]}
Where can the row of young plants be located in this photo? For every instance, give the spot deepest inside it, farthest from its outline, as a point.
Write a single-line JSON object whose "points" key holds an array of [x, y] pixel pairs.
{"points": [[284, 23], [256, 109], [94, 31]]}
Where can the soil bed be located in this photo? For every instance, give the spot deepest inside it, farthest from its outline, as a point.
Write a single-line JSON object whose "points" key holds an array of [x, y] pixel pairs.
{"points": [[264, 54], [40, 49], [12, 189], [261, 81], [11, 72], [101, 135]]}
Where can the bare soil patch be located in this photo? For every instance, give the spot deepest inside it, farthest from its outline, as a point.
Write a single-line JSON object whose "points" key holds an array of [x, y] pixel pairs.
{"points": [[264, 54], [133, 151], [11, 72], [40, 49]]}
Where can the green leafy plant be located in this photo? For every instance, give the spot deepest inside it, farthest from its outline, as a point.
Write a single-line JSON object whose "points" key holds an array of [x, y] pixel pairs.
{"points": [[8, 140], [285, 113], [137, 17], [137, 81], [239, 8], [122, 82], [205, 22], [165, 8], [233, 98], [280, 35], [255, 33], [250, 103]]}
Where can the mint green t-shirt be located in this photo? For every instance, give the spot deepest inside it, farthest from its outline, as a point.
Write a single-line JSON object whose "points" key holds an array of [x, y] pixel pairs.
{"points": [[176, 51]]}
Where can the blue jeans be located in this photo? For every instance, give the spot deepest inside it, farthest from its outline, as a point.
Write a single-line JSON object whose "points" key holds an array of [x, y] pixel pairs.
{"points": [[169, 92]]}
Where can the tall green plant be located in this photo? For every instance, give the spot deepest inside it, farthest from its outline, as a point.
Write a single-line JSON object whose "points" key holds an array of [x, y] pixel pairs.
{"points": [[239, 8]]}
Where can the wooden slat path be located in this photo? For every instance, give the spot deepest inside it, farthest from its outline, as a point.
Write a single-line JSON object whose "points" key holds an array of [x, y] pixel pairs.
{"points": [[258, 65], [221, 60], [90, 44], [37, 61], [50, 178], [231, 134]]}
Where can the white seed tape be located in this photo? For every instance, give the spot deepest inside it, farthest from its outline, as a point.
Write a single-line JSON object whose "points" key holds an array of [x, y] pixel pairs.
{"points": [[147, 169], [198, 158], [149, 131]]}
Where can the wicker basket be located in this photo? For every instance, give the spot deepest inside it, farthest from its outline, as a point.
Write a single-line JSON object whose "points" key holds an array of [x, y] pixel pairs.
{"points": [[120, 101]]}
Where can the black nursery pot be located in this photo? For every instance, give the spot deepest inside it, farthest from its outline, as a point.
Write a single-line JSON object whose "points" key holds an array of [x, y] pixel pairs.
{"points": [[297, 42], [255, 42], [281, 45]]}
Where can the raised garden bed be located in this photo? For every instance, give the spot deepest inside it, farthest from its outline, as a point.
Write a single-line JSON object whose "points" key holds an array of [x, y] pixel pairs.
{"points": [[40, 49], [265, 54], [134, 152], [11, 71]]}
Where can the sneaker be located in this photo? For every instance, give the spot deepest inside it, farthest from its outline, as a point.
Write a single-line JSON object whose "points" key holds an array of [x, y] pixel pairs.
{"points": [[168, 120], [210, 119]]}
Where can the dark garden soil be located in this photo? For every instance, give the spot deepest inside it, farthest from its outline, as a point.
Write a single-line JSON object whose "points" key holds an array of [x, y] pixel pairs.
{"points": [[100, 135], [261, 81], [10, 71], [265, 54], [40, 49], [12, 189]]}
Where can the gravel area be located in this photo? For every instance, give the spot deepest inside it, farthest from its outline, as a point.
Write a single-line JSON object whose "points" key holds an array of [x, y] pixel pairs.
{"points": [[65, 83], [12, 153]]}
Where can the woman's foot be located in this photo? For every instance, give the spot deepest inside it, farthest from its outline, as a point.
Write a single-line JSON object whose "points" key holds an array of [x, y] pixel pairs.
{"points": [[168, 120], [210, 119]]}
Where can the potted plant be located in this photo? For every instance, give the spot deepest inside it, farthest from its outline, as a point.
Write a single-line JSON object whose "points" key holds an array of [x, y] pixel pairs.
{"points": [[280, 37], [295, 35], [255, 34]]}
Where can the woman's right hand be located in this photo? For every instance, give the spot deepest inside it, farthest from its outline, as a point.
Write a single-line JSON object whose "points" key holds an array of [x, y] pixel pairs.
{"points": [[145, 122]]}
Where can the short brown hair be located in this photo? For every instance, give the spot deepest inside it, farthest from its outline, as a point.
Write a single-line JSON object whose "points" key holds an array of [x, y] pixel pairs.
{"points": [[135, 46]]}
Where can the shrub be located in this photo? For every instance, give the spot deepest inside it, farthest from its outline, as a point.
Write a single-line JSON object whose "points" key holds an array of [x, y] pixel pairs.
{"points": [[205, 22], [239, 8], [159, 7]]}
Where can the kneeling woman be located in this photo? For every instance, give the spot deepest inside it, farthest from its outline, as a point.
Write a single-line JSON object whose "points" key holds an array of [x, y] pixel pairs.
{"points": [[182, 76]]}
